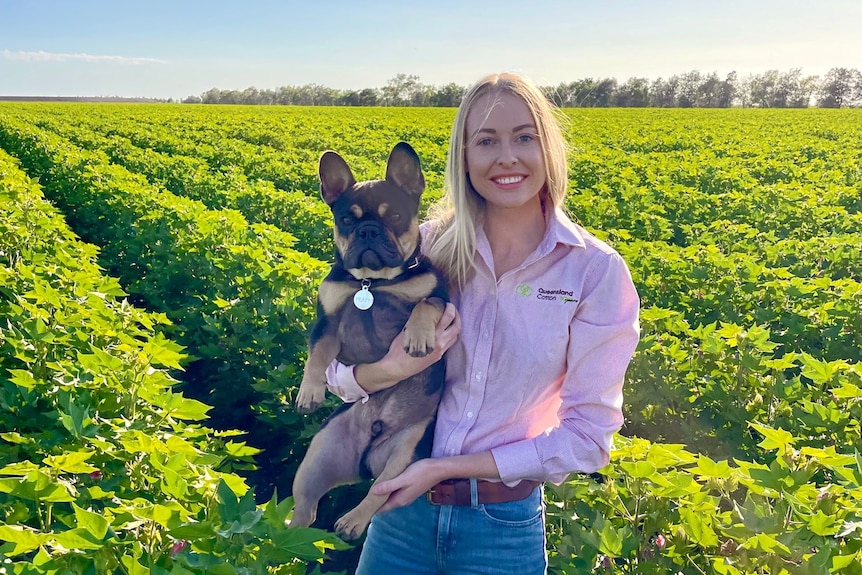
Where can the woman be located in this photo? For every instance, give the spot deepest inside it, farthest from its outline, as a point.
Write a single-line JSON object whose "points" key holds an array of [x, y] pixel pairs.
{"points": [[548, 322]]}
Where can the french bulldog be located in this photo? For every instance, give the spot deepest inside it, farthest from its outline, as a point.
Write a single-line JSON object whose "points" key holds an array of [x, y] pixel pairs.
{"points": [[379, 285]]}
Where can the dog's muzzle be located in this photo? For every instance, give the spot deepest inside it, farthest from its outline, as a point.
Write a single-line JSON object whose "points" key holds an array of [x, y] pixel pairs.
{"points": [[371, 248]]}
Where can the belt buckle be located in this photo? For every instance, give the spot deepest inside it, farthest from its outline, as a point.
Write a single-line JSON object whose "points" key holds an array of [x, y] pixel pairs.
{"points": [[430, 496]]}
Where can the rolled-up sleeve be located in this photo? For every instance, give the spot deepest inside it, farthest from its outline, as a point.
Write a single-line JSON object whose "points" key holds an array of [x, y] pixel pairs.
{"points": [[341, 381], [603, 336]]}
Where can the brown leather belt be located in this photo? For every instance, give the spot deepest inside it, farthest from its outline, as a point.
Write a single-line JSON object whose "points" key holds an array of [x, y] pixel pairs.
{"points": [[457, 492]]}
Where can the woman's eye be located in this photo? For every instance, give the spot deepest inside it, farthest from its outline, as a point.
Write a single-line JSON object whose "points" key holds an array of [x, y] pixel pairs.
{"points": [[525, 138], [484, 142]]}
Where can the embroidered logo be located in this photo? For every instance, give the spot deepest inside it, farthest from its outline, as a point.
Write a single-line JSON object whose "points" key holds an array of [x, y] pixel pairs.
{"points": [[524, 290], [565, 296]]}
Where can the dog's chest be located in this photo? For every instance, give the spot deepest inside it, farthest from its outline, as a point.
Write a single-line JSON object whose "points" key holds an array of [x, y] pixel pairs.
{"points": [[365, 335]]}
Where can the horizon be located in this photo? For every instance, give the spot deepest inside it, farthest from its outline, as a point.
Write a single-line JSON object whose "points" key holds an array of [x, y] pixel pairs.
{"points": [[162, 50]]}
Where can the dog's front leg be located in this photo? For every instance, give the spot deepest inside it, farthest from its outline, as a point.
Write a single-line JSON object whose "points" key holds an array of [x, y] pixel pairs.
{"points": [[401, 452], [419, 332], [312, 390]]}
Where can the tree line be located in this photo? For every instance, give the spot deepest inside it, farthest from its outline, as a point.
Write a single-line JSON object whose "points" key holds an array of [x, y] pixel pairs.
{"points": [[838, 88]]}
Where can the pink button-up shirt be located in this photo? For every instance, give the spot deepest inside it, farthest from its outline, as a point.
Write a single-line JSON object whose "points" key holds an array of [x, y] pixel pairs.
{"points": [[537, 374]]}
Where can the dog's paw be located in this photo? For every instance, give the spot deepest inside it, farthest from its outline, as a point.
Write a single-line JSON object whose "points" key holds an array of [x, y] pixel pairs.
{"points": [[309, 397], [351, 525], [302, 517], [418, 343]]}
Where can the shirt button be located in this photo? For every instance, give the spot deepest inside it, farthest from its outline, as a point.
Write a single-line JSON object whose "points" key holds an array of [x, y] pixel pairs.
{"points": [[479, 376], [469, 415]]}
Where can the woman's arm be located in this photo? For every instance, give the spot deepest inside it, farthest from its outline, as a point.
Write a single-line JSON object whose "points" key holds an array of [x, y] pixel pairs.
{"points": [[353, 383], [605, 332], [397, 365]]}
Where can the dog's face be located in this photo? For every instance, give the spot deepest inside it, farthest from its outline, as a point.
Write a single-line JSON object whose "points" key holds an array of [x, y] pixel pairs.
{"points": [[376, 227]]}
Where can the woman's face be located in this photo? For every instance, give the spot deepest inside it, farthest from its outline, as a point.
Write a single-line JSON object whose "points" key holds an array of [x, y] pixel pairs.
{"points": [[504, 157]]}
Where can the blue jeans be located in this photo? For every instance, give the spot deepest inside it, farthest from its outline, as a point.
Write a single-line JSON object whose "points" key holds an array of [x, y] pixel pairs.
{"points": [[426, 539]]}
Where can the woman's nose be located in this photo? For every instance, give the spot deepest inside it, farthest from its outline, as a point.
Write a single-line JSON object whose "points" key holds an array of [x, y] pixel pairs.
{"points": [[507, 155]]}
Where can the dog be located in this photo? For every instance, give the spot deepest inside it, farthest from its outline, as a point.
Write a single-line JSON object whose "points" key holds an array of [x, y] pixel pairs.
{"points": [[379, 285]]}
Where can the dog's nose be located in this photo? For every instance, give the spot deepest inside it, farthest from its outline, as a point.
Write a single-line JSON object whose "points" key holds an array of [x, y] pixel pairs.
{"points": [[368, 231]]}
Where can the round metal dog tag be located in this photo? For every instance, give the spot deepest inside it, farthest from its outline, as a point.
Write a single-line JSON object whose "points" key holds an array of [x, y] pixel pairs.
{"points": [[363, 299]]}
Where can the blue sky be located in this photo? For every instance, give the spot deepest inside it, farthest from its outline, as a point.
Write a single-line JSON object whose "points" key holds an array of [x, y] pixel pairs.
{"points": [[174, 49]]}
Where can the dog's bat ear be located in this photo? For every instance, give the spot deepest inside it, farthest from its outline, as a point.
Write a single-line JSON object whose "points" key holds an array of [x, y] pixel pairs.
{"points": [[404, 170], [335, 176]]}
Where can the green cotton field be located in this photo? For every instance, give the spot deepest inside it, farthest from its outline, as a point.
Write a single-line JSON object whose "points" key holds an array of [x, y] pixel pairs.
{"points": [[158, 268]]}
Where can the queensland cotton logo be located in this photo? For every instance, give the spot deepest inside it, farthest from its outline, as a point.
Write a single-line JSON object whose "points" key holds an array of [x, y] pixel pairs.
{"points": [[565, 296]]}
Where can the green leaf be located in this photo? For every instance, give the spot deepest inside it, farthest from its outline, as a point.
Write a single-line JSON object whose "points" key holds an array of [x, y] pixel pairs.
{"points": [[24, 539], [165, 515], [77, 417], [20, 469], [611, 540], [160, 351], [307, 543], [822, 524], [14, 437], [92, 522], [708, 468], [133, 567], [78, 539], [820, 372], [847, 391], [193, 531], [23, 378], [275, 513], [638, 469], [74, 462], [38, 488], [229, 504], [209, 564], [765, 543], [839, 562], [185, 408], [723, 567], [774, 438], [240, 449], [244, 524], [698, 528]]}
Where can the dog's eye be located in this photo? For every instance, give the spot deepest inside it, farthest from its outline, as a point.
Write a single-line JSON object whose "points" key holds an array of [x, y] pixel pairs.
{"points": [[396, 217], [347, 220]]}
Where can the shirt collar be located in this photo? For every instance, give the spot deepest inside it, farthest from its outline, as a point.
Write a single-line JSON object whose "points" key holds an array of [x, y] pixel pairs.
{"points": [[561, 230]]}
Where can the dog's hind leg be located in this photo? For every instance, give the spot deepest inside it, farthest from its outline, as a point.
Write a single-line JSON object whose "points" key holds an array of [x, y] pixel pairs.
{"points": [[398, 452], [329, 462]]}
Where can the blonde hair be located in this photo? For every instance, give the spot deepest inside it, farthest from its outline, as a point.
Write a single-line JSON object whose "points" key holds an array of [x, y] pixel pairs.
{"points": [[453, 246]]}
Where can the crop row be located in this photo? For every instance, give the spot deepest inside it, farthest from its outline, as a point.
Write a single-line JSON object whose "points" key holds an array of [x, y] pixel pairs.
{"points": [[238, 296], [102, 464], [306, 218]]}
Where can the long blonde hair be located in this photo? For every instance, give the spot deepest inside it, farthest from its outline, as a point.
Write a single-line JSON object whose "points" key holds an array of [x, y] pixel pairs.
{"points": [[453, 246]]}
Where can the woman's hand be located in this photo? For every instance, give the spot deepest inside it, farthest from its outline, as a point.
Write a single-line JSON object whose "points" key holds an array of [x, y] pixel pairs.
{"points": [[413, 482], [424, 474], [398, 365]]}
